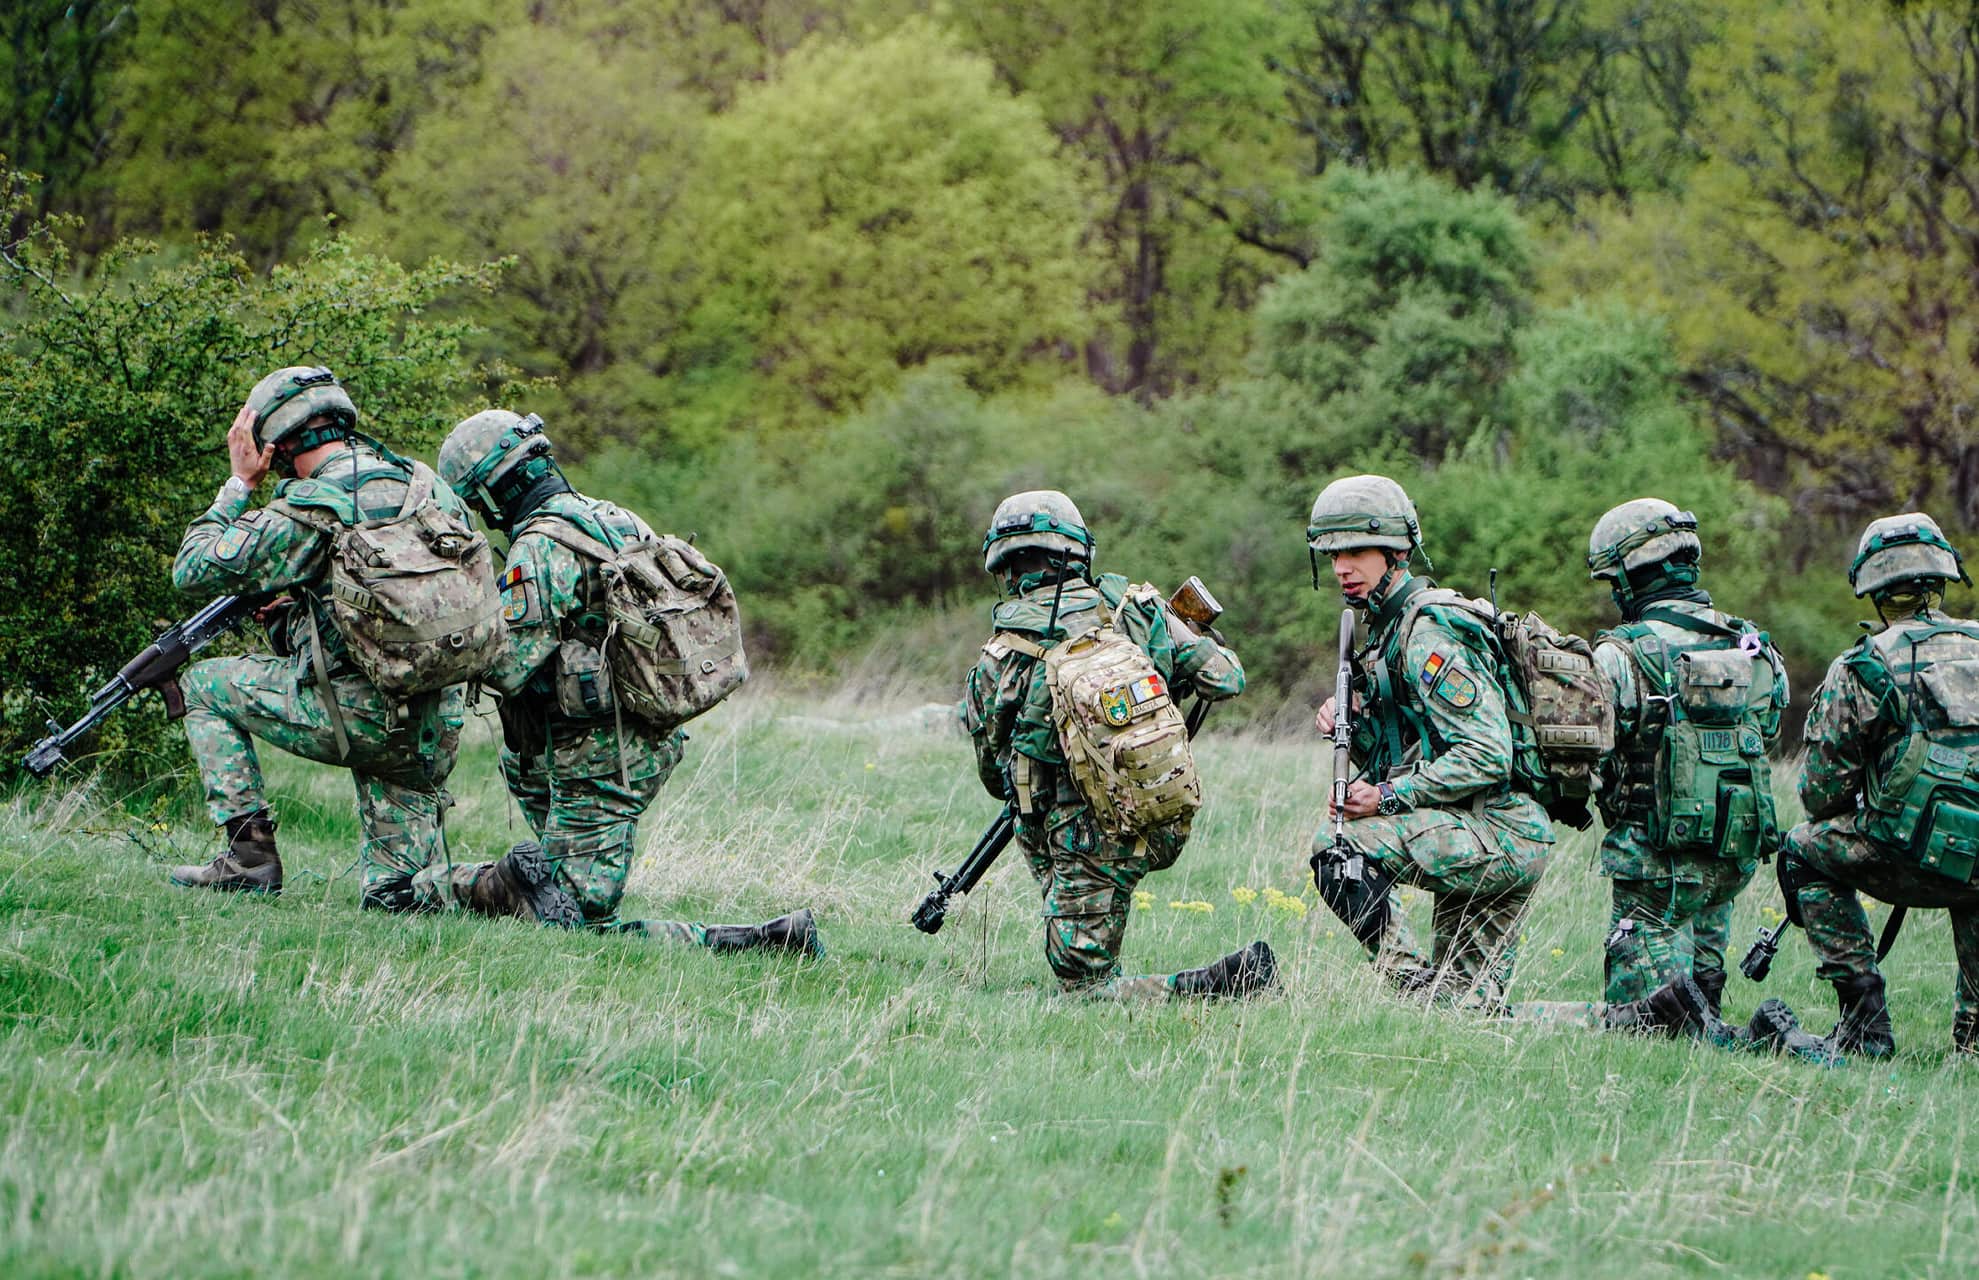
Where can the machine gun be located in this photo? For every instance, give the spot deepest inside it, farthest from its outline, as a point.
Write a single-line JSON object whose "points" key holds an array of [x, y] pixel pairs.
{"points": [[155, 668], [1193, 603]]}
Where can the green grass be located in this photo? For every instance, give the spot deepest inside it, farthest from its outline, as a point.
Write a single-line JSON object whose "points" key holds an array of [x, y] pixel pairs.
{"points": [[198, 1085]]}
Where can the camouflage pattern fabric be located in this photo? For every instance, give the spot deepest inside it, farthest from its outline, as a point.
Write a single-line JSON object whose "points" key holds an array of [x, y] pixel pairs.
{"points": [[1680, 904], [1846, 729], [399, 768], [1440, 737], [581, 788], [400, 762], [1085, 877]]}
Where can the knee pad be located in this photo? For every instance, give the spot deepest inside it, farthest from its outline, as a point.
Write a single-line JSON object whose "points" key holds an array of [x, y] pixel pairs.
{"points": [[1356, 889]]}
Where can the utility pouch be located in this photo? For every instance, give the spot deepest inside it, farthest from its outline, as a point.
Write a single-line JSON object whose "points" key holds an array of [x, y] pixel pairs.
{"points": [[1923, 800], [583, 681]]}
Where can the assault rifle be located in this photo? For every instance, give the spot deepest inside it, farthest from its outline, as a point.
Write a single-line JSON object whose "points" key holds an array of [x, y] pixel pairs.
{"points": [[1343, 747], [1191, 602], [156, 668]]}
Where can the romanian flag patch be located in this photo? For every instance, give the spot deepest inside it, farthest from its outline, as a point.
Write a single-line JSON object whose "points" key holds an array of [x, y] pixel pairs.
{"points": [[516, 573], [1432, 669]]}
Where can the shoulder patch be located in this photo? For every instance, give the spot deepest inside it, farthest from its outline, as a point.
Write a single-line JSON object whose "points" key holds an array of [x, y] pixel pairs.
{"points": [[521, 599], [1456, 688], [234, 542]]}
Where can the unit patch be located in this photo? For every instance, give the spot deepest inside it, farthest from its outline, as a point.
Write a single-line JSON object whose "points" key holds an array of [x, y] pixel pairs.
{"points": [[1123, 703], [1456, 688], [237, 538], [519, 595]]}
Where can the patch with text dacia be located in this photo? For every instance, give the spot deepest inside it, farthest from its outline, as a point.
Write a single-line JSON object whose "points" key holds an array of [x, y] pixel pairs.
{"points": [[1122, 703], [1446, 680]]}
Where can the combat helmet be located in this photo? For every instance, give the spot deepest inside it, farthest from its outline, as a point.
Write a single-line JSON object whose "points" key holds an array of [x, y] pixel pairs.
{"points": [[482, 454], [1042, 518], [1357, 512], [1899, 548], [288, 403], [1640, 532]]}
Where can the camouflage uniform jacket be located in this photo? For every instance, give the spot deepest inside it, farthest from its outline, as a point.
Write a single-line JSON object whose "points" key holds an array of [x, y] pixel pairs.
{"points": [[278, 548], [1847, 728], [1628, 776], [1007, 706], [1433, 722], [551, 594]]}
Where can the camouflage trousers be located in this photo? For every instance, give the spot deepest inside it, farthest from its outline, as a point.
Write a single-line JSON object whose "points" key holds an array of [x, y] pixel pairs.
{"points": [[1480, 877], [587, 818], [400, 767], [1087, 881], [1660, 930], [1841, 862]]}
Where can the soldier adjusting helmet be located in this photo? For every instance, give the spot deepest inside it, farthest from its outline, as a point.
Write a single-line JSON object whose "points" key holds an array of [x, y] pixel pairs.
{"points": [[1638, 533], [1903, 548], [493, 454], [1042, 518], [301, 407]]}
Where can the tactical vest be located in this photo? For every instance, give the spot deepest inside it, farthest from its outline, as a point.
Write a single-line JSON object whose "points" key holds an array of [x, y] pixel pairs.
{"points": [[1697, 777], [1922, 791]]}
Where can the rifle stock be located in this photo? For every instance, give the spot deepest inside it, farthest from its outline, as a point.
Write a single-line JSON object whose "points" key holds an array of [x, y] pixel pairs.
{"points": [[157, 667]]}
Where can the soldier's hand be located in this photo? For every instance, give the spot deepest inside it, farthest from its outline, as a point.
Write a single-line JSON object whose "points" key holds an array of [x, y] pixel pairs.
{"points": [[1363, 800], [280, 605], [250, 463], [1325, 719]]}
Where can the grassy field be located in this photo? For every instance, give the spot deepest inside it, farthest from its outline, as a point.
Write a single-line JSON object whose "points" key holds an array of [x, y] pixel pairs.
{"points": [[196, 1085]]}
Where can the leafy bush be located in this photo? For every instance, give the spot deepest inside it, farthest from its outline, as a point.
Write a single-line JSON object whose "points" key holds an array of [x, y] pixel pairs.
{"points": [[119, 389]]}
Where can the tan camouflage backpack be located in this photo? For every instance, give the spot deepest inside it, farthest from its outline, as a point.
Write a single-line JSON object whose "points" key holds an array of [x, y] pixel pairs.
{"points": [[673, 634], [1123, 738], [414, 594]]}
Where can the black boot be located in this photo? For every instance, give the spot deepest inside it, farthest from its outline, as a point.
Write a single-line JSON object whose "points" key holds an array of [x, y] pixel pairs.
{"points": [[1775, 1029], [797, 932], [1241, 973], [524, 884], [1965, 1031], [1677, 1008], [249, 863], [1712, 983], [1864, 1030]]}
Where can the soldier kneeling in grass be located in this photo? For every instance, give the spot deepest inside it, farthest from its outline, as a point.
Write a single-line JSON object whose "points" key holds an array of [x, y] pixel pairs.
{"points": [[594, 686], [1100, 658]]}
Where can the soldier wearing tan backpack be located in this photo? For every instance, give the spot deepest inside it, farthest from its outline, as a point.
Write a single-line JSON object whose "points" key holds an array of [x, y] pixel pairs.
{"points": [[1072, 709], [616, 637]]}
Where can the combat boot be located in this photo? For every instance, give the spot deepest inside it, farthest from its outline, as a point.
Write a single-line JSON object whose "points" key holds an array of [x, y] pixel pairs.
{"points": [[1677, 1008], [1775, 1029], [1965, 1031], [249, 863], [1864, 1029], [797, 932], [1241, 973], [524, 884], [1712, 983]]}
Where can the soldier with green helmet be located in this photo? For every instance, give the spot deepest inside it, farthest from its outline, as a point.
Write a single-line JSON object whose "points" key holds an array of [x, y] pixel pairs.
{"points": [[1688, 794], [1041, 552], [581, 770], [308, 697], [1435, 804], [1891, 783]]}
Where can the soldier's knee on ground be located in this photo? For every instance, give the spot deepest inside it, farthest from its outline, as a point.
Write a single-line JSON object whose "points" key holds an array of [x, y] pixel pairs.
{"points": [[390, 893], [1076, 952], [1356, 889]]}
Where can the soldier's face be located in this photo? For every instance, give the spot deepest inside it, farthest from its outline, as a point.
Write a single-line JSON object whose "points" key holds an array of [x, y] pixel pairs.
{"points": [[1359, 572]]}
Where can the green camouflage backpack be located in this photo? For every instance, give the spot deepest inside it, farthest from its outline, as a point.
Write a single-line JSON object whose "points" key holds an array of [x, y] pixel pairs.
{"points": [[1562, 721], [1124, 740], [673, 633], [1922, 795], [413, 593], [1709, 785]]}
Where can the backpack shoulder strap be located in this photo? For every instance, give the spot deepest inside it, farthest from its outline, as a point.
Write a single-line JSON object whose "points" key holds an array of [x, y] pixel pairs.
{"points": [[561, 531], [1868, 667], [1016, 643], [419, 490]]}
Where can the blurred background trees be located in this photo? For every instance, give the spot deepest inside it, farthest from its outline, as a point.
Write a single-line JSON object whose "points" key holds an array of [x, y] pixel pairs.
{"points": [[821, 279]]}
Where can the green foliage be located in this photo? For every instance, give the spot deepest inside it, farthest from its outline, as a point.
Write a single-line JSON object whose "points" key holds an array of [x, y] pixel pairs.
{"points": [[875, 207], [119, 390]]}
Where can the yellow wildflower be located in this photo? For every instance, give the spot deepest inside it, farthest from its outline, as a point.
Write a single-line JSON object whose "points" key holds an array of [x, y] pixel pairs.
{"points": [[1244, 895], [1558, 952], [1197, 905]]}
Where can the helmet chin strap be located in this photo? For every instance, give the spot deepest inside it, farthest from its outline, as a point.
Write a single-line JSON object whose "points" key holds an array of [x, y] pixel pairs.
{"points": [[1378, 593]]}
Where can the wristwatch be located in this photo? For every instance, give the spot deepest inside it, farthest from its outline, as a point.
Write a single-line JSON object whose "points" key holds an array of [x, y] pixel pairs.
{"points": [[235, 487], [1391, 804]]}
